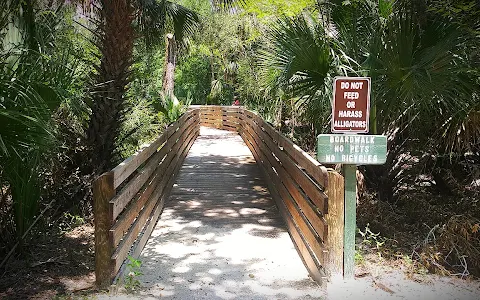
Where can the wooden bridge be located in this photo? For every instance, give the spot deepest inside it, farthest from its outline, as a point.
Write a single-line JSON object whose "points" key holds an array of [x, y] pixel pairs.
{"points": [[219, 183]]}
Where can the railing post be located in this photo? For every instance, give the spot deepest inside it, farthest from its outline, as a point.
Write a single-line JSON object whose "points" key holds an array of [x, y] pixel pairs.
{"points": [[335, 220], [103, 192]]}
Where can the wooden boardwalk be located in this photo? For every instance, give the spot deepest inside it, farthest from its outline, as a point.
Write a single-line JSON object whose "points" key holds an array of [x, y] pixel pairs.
{"points": [[220, 235]]}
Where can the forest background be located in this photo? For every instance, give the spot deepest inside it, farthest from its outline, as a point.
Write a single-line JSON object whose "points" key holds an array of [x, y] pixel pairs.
{"points": [[78, 95]]}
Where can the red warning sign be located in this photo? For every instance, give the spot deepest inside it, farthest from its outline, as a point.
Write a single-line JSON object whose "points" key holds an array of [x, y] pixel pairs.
{"points": [[351, 104]]}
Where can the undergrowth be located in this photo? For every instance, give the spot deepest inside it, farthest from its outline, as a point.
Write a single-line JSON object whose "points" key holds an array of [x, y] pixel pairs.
{"points": [[432, 224]]}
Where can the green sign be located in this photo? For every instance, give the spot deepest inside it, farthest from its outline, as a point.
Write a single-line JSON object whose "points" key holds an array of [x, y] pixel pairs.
{"points": [[352, 149]]}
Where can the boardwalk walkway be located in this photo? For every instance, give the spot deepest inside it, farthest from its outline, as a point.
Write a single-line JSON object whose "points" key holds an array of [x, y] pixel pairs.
{"points": [[220, 235]]}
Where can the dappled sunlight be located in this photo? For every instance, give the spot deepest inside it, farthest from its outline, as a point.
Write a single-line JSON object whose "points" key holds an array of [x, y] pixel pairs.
{"points": [[251, 258], [220, 235]]}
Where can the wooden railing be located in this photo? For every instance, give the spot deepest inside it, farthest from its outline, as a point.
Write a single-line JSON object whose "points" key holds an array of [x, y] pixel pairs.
{"points": [[129, 199], [298, 183], [220, 117]]}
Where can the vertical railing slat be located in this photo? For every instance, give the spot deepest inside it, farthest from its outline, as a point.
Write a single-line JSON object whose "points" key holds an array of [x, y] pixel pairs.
{"points": [[335, 221], [103, 191]]}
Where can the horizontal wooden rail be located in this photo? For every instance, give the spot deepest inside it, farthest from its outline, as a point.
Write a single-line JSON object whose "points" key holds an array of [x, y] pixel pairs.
{"points": [[128, 200], [298, 183], [220, 117]]}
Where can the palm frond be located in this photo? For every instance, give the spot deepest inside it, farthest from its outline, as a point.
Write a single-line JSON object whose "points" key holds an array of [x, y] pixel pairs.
{"points": [[300, 52], [151, 20], [422, 70], [184, 20], [23, 118], [153, 17]]}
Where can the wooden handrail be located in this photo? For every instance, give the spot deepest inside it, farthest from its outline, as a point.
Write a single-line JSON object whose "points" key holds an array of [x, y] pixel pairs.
{"points": [[297, 182], [128, 199], [131, 164]]}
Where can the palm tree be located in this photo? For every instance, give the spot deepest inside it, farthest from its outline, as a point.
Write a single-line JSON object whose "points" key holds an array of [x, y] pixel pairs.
{"points": [[422, 66], [119, 23], [305, 60]]}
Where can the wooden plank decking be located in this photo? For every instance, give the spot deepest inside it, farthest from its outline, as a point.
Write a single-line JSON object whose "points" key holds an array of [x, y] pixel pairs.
{"points": [[220, 235]]}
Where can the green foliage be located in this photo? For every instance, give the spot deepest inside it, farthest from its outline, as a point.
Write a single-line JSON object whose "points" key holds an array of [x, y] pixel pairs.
{"points": [[301, 60], [465, 13], [70, 221], [171, 109], [158, 16], [131, 281], [219, 52], [116, 29], [425, 69], [141, 126], [371, 239], [266, 10], [421, 66], [359, 258], [300, 53], [141, 123], [193, 77], [35, 79]]}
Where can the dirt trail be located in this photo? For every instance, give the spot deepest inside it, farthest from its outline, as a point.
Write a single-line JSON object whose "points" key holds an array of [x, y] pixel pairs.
{"points": [[220, 235], [391, 284]]}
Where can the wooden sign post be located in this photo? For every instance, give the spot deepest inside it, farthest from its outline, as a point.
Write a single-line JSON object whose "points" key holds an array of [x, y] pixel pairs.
{"points": [[350, 115]]}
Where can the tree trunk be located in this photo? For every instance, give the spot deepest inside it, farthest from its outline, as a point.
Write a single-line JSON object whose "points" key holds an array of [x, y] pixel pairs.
{"points": [[116, 45], [169, 72], [30, 26]]}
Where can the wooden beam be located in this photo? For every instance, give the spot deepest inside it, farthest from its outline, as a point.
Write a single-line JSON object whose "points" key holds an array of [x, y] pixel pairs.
{"points": [[103, 191], [120, 201], [335, 220], [129, 165]]}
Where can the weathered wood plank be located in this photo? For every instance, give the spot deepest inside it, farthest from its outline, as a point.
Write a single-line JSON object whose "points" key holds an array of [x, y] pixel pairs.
{"points": [[316, 220], [312, 167], [103, 191], [121, 200], [216, 109], [310, 188], [300, 221], [229, 124], [281, 190], [124, 222], [124, 247], [128, 166], [309, 259], [213, 122], [158, 208], [335, 219], [300, 157]]}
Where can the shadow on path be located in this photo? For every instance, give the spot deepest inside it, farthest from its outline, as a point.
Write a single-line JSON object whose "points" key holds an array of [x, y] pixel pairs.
{"points": [[220, 235]]}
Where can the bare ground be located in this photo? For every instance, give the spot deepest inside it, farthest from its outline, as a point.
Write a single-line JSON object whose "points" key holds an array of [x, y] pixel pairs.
{"points": [[52, 264], [61, 267]]}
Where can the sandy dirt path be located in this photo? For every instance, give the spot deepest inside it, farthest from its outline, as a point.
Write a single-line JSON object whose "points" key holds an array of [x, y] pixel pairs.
{"points": [[220, 235]]}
